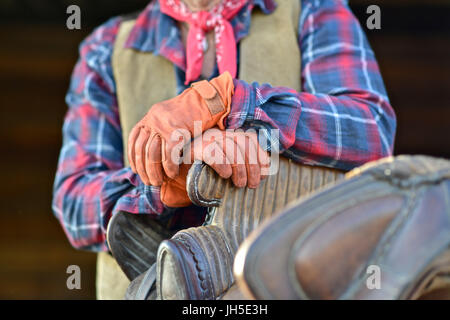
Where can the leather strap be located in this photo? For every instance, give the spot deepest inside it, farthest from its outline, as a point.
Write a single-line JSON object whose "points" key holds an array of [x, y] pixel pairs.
{"points": [[209, 93], [148, 282]]}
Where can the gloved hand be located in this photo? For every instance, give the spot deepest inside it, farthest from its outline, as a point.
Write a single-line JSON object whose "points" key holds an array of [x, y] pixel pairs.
{"points": [[150, 147], [234, 154]]}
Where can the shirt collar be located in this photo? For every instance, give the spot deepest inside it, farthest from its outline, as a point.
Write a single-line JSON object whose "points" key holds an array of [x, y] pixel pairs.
{"points": [[158, 33]]}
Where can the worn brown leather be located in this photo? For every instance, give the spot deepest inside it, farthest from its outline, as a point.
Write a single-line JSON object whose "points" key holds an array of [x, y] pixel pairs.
{"points": [[134, 240], [197, 262], [393, 214]]}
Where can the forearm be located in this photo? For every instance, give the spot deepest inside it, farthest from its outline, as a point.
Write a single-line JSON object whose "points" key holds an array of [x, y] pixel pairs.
{"points": [[342, 118], [343, 131]]}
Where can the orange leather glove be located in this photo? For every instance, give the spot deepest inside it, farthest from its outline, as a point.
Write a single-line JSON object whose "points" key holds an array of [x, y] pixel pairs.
{"points": [[173, 191], [150, 144], [234, 154]]}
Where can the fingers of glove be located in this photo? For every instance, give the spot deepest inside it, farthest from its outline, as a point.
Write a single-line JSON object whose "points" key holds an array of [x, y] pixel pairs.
{"points": [[131, 146], [248, 150], [169, 159], [214, 156], [209, 149], [263, 156], [153, 160], [139, 150], [252, 164], [174, 149], [237, 160]]}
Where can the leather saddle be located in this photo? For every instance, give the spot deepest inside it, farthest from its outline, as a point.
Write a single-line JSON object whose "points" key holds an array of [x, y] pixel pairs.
{"points": [[308, 233], [389, 219], [197, 263]]}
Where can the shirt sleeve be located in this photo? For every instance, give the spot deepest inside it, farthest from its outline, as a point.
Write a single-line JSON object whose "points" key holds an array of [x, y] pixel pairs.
{"points": [[91, 182], [343, 117]]}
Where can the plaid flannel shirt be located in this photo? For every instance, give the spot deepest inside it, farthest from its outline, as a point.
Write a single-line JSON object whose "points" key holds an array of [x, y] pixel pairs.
{"points": [[342, 118]]}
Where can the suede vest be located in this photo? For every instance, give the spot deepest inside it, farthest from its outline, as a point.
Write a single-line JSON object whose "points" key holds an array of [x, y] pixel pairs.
{"points": [[268, 54]]}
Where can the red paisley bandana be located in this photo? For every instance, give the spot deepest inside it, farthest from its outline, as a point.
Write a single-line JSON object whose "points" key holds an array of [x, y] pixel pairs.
{"points": [[201, 22]]}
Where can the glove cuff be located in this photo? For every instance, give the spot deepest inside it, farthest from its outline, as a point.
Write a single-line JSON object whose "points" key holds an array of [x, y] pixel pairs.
{"points": [[217, 95]]}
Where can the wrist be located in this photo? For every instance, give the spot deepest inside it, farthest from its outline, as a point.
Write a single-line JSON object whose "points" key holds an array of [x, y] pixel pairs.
{"points": [[217, 95], [242, 107]]}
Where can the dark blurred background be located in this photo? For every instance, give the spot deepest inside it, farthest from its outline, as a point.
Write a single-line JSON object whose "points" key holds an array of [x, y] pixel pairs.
{"points": [[37, 55]]}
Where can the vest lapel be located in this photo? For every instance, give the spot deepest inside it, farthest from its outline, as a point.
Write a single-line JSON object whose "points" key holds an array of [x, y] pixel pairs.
{"points": [[142, 79]]}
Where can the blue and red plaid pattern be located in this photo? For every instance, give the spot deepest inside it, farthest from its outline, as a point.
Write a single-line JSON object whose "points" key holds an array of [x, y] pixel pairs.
{"points": [[342, 118]]}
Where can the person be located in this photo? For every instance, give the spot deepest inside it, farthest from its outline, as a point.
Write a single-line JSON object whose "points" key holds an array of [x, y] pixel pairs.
{"points": [[309, 73]]}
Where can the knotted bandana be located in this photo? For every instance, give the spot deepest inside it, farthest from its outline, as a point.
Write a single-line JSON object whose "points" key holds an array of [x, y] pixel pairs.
{"points": [[200, 23]]}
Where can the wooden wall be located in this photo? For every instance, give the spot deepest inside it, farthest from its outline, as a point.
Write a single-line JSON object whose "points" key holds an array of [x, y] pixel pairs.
{"points": [[36, 58]]}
